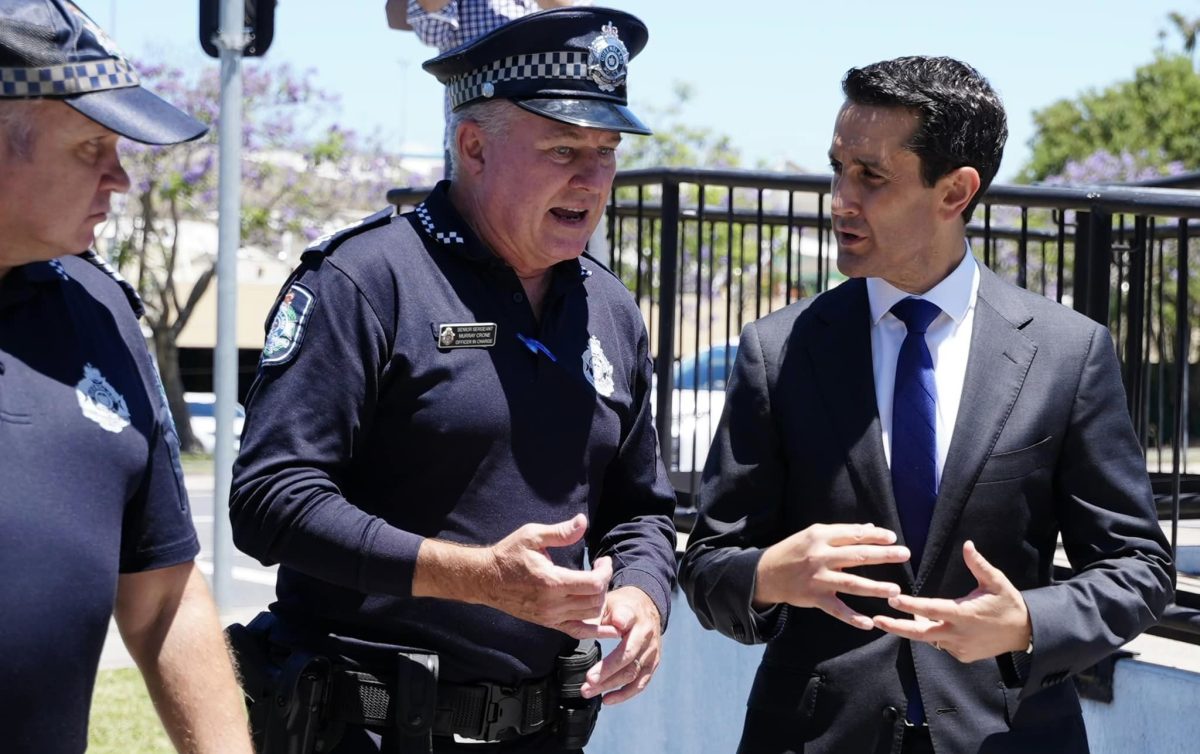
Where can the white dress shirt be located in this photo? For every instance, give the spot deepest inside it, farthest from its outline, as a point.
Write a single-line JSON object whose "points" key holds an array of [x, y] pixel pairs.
{"points": [[948, 339]]}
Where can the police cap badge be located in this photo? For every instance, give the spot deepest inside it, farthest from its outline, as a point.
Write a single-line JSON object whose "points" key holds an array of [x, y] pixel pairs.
{"points": [[566, 64]]}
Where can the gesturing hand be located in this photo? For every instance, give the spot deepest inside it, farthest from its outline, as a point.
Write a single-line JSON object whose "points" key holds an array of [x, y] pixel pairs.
{"points": [[627, 669], [517, 576], [805, 569], [989, 621], [524, 582]]}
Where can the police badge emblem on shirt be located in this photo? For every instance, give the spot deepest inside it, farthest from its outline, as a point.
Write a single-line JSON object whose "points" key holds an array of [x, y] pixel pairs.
{"points": [[100, 401], [287, 328], [597, 368]]}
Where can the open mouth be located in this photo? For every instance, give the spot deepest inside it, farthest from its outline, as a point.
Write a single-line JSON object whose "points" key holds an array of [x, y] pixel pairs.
{"points": [[569, 215], [849, 237]]}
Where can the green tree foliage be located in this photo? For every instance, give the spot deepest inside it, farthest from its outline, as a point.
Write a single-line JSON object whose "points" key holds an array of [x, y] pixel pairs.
{"points": [[674, 143], [297, 178], [1155, 116]]}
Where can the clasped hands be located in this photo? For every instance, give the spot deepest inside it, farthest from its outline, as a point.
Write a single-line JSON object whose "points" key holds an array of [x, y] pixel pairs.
{"points": [[517, 576], [808, 569]]}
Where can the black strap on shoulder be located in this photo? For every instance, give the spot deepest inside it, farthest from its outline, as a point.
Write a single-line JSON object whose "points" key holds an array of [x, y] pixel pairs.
{"points": [[135, 301]]}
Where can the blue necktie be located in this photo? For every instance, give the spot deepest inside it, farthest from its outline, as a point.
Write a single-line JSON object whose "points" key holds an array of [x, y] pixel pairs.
{"points": [[914, 442]]}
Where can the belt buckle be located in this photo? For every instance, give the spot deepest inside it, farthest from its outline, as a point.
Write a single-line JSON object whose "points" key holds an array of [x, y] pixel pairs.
{"points": [[504, 709]]}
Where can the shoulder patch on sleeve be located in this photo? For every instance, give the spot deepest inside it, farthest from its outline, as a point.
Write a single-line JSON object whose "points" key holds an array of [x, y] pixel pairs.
{"points": [[287, 327], [135, 301], [327, 243]]}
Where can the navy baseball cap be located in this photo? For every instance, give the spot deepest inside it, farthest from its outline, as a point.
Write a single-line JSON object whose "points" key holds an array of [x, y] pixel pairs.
{"points": [[50, 49], [566, 64]]}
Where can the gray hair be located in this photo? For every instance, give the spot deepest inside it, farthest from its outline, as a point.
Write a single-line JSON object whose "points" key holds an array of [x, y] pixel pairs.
{"points": [[493, 116], [16, 126]]}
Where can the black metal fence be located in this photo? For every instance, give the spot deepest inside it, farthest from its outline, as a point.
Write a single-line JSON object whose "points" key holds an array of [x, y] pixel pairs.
{"points": [[706, 251]]}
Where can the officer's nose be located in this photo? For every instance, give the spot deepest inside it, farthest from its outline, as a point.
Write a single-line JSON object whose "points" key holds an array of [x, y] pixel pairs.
{"points": [[114, 178], [595, 174]]}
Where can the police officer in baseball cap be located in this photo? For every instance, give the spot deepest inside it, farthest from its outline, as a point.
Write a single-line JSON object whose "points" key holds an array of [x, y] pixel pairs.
{"points": [[488, 434], [93, 509]]}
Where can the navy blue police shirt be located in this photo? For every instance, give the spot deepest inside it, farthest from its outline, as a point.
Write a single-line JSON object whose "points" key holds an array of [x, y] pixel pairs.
{"points": [[90, 487], [407, 391]]}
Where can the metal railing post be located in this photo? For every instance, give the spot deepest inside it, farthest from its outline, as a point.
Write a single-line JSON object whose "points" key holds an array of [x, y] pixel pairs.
{"points": [[668, 262], [1093, 263]]}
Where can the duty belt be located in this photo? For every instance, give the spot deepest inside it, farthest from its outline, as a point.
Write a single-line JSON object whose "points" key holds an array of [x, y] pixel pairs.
{"points": [[480, 711]]}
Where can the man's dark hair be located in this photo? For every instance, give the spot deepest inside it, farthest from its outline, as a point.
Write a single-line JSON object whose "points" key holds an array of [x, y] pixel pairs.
{"points": [[960, 117]]}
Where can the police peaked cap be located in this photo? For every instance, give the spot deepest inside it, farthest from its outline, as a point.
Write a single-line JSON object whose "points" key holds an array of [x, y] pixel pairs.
{"points": [[566, 64], [50, 49]]}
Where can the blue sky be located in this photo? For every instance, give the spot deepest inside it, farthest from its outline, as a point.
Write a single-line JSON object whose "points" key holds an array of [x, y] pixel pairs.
{"points": [[766, 73]]}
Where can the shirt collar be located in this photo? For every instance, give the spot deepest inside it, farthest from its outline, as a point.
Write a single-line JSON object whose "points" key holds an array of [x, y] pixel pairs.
{"points": [[17, 286], [440, 221], [954, 295]]}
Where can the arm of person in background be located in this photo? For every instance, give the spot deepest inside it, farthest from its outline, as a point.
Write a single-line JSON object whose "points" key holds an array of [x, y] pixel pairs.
{"points": [[435, 22], [169, 624], [397, 15]]}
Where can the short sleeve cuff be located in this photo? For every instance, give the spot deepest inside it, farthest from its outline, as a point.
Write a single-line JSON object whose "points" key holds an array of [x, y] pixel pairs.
{"points": [[163, 556]]}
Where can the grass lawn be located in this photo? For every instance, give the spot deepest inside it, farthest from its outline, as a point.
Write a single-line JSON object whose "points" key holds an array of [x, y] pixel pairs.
{"points": [[123, 719], [196, 463]]}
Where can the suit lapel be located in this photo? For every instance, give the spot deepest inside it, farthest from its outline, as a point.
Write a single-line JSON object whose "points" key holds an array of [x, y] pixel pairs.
{"points": [[840, 356], [996, 367]]}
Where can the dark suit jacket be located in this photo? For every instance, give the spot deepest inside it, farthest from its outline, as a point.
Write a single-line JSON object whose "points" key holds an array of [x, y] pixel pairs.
{"points": [[1042, 445]]}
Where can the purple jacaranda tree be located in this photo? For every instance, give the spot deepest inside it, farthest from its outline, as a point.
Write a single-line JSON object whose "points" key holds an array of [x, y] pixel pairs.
{"points": [[300, 177]]}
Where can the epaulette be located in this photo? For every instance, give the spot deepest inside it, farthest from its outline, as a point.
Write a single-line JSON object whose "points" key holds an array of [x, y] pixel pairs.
{"points": [[327, 243], [587, 255], [135, 301]]}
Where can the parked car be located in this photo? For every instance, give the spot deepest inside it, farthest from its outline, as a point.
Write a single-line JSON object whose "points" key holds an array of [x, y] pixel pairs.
{"points": [[204, 423], [697, 399]]}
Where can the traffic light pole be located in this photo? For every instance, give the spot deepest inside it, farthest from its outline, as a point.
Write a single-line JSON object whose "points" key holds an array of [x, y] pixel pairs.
{"points": [[230, 41]]}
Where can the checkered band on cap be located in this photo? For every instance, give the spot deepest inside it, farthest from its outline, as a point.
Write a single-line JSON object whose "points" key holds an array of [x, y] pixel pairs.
{"points": [[63, 80], [541, 65]]}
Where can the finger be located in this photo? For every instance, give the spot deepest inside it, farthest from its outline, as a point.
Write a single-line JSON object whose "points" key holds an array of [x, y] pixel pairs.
{"points": [[842, 612], [556, 535], [849, 583], [915, 630], [630, 690], [850, 556], [603, 566], [567, 581], [933, 608], [620, 617], [574, 607], [587, 629], [989, 576], [857, 534]]}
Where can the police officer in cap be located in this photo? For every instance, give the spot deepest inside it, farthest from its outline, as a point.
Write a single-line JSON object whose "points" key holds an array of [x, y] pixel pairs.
{"points": [[448, 446], [94, 518]]}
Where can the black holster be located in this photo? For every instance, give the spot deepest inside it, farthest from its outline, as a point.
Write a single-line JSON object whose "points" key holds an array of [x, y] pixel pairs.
{"points": [[284, 701], [577, 715]]}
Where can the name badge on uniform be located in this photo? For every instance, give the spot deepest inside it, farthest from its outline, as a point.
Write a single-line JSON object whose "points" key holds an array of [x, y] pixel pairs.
{"points": [[467, 335]]}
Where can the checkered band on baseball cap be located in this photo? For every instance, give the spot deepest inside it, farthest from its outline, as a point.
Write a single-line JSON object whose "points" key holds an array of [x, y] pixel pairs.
{"points": [[566, 64], [62, 80], [50, 49], [541, 65]]}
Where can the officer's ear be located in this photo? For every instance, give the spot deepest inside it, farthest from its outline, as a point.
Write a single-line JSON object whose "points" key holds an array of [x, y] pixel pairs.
{"points": [[469, 138]]}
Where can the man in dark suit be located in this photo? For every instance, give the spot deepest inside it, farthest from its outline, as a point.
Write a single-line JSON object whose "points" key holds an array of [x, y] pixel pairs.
{"points": [[898, 457]]}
